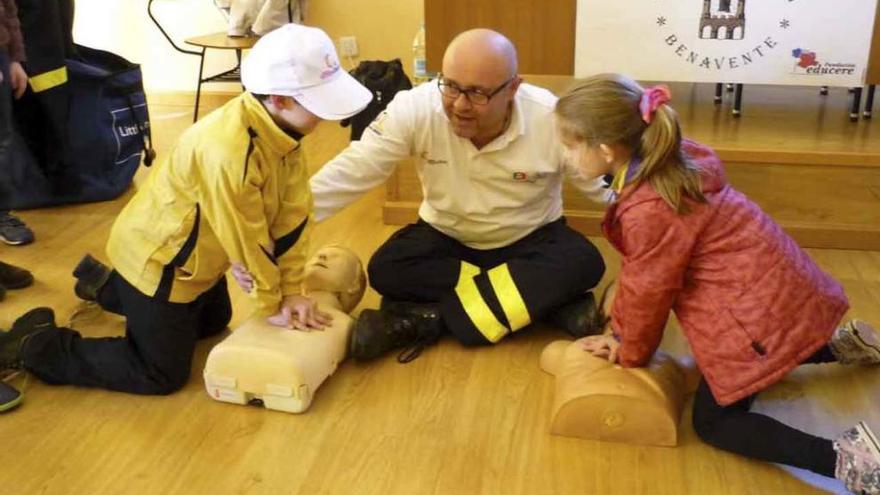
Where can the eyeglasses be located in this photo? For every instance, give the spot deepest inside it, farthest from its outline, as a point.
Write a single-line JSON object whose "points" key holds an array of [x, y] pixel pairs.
{"points": [[475, 96]]}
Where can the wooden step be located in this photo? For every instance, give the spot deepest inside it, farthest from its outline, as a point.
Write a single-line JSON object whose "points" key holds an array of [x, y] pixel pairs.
{"points": [[820, 206]]}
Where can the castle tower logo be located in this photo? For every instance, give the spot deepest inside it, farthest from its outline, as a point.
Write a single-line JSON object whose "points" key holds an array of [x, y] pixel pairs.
{"points": [[719, 22], [792, 42]]}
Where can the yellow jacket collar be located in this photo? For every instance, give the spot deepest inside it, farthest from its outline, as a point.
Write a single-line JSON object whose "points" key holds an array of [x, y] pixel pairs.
{"points": [[261, 122]]}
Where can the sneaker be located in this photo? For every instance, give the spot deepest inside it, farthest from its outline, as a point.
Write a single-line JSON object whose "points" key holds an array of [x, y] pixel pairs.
{"points": [[10, 398], [13, 277], [580, 317], [379, 331], [855, 342], [858, 460], [91, 275], [35, 321], [13, 231]]}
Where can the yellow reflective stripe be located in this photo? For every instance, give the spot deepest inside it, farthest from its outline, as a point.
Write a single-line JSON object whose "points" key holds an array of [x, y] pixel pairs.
{"points": [[478, 311], [467, 272], [619, 180], [508, 295], [48, 80]]}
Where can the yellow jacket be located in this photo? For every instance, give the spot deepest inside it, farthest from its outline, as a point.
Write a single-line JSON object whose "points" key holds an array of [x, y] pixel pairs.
{"points": [[234, 189]]}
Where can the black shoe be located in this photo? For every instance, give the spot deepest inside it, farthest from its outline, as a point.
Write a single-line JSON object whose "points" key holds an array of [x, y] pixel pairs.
{"points": [[91, 275], [580, 317], [35, 321], [379, 331], [13, 277]]}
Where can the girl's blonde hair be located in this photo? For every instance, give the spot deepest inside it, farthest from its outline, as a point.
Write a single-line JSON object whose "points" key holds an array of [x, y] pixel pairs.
{"points": [[604, 109]]}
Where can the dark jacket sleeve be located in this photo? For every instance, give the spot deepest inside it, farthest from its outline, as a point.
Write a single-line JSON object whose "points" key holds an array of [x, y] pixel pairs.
{"points": [[15, 46]]}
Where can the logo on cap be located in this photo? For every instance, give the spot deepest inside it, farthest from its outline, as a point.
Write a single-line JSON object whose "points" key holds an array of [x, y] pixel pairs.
{"points": [[332, 67]]}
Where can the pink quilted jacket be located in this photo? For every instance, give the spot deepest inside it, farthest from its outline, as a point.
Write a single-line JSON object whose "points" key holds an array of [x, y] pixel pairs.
{"points": [[751, 303]]}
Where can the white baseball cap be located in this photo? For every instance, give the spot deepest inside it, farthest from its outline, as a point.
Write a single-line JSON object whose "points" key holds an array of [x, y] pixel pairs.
{"points": [[301, 62]]}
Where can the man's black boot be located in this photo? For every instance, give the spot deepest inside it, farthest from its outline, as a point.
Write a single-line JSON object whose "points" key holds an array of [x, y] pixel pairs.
{"points": [[379, 331], [13, 277], [35, 321], [91, 275], [579, 317]]}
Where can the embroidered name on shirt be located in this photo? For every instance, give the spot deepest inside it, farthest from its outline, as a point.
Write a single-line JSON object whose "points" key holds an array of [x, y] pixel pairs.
{"points": [[528, 177], [431, 161]]}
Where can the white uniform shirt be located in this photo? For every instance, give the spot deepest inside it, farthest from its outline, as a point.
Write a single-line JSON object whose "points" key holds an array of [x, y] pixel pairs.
{"points": [[484, 198]]}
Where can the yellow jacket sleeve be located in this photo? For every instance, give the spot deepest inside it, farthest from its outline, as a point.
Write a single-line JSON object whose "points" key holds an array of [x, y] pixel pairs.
{"points": [[292, 227], [233, 205]]}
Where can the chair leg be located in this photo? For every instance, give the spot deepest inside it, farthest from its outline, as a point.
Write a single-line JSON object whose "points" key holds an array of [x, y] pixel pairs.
{"points": [[869, 101], [238, 66], [199, 86], [737, 101], [856, 103], [719, 89]]}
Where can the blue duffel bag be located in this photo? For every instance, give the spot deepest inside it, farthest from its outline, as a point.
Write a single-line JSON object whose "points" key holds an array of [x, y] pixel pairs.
{"points": [[107, 136]]}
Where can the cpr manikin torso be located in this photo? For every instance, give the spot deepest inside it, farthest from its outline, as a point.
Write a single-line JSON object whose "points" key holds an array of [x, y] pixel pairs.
{"points": [[602, 401], [283, 367]]}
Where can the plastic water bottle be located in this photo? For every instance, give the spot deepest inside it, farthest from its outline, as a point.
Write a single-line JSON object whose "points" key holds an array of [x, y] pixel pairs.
{"points": [[420, 64]]}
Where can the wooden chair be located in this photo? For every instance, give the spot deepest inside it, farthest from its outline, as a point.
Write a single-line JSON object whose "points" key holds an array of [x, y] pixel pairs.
{"points": [[217, 41]]}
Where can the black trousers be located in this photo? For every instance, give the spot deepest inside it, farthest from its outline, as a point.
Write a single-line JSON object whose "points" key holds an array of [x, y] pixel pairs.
{"points": [[486, 294], [156, 353], [734, 429], [42, 117], [5, 122]]}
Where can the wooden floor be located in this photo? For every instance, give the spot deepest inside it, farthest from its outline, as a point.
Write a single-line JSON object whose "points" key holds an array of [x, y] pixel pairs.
{"points": [[454, 421]]}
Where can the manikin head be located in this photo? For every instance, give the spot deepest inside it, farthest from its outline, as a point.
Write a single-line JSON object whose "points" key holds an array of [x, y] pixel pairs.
{"points": [[338, 270], [479, 61]]}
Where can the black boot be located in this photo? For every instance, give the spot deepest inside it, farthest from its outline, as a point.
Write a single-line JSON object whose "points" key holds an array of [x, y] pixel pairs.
{"points": [[91, 275], [579, 317], [412, 326], [35, 321], [13, 277]]}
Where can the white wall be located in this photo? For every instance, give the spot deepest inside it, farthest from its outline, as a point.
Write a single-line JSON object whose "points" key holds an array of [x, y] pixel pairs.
{"points": [[123, 27], [384, 30]]}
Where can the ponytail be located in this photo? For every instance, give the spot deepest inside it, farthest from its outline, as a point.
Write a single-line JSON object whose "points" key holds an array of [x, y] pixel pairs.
{"points": [[613, 109], [663, 165]]}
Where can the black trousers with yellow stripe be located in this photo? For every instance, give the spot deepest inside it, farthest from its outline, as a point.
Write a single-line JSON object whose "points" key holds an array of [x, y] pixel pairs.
{"points": [[42, 114], [485, 295]]}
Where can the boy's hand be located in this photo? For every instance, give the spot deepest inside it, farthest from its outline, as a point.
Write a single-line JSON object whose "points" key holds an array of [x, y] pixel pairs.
{"points": [[300, 313], [601, 346], [17, 79], [242, 277]]}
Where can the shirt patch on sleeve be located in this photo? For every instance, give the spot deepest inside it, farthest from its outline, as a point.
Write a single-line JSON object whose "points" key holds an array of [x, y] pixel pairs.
{"points": [[378, 124]]}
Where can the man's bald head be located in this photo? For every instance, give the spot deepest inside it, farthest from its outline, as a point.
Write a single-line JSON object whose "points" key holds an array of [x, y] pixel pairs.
{"points": [[479, 61], [481, 53]]}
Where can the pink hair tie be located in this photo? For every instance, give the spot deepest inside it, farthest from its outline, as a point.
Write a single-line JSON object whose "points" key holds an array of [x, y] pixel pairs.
{"points": [[651, 100]]}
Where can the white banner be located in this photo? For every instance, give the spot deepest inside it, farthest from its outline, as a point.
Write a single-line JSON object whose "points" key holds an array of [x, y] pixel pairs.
{"points": [[796, 42]]}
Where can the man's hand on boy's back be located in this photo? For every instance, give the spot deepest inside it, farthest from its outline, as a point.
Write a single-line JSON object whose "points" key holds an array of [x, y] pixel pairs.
{"points": [[242, 277], [300, 313]]}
